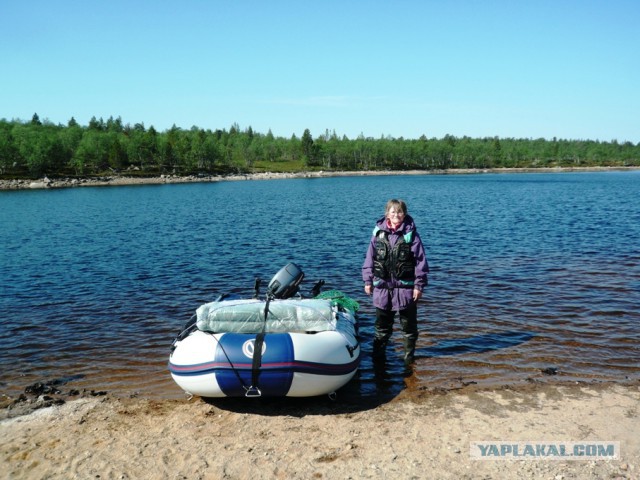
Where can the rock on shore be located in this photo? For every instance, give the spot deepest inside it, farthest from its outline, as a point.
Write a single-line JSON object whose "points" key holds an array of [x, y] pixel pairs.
{"points": [[116, 180]]}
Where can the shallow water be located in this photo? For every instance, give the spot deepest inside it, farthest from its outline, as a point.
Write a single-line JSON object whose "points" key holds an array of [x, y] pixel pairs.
{"points": [[529, 273]]}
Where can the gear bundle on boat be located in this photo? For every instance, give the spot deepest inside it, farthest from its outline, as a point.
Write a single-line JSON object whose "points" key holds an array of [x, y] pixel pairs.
{"points": [[279, 346]]}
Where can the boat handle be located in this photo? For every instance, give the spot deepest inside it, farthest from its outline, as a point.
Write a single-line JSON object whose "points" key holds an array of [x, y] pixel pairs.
{"points": [[252, 392]]}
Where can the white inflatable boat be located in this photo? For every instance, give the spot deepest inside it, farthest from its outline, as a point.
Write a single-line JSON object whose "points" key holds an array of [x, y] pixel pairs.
{"points": [[275, 347]]}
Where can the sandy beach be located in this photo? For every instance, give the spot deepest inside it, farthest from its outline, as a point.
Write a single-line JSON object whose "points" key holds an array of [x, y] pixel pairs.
{"points": [[419, 434]]}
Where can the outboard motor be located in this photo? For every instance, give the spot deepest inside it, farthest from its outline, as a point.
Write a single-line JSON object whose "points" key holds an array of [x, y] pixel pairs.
{"points": [[285, 283]]}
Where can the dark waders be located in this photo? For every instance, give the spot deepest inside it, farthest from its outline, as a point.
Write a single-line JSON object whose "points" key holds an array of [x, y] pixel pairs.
{"points": [[384, 329]]}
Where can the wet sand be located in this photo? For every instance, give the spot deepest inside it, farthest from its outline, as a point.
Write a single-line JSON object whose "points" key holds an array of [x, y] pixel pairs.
{"points": [[419, 434]]}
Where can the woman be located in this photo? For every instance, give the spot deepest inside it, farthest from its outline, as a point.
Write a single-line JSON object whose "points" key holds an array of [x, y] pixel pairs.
{"points": [[395, 272]]}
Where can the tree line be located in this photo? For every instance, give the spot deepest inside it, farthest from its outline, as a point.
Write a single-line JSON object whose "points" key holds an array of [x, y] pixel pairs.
{"points": [[35, 148]]}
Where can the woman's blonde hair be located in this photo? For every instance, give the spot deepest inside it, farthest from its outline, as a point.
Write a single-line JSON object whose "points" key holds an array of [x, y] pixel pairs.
{"points": [[397, 204]]}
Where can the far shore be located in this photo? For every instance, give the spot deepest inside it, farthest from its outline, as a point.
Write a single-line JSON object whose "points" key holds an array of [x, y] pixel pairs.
{"points": [[120, 180]]}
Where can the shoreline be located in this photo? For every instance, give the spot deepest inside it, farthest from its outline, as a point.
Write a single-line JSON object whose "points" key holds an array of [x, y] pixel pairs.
{"points": [[45, 394], [123, 180], [418, 434]]}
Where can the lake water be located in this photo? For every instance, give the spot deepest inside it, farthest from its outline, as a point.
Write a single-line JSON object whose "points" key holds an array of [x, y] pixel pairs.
{"points": [[530, 273]]}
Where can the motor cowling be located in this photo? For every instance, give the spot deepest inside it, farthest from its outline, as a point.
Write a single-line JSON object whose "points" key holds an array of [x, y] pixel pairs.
{"points": [[284, 284]]}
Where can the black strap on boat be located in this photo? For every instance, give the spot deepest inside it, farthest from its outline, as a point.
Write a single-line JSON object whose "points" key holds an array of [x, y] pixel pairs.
{"points": [[253, 390]]}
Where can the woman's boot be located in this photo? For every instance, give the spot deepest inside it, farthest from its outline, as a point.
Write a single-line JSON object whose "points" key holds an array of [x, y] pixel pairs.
{"points": [[409, 349]]}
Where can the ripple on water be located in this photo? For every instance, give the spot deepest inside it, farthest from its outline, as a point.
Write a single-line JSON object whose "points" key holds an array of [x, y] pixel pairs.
{"points": [[530, 274]]}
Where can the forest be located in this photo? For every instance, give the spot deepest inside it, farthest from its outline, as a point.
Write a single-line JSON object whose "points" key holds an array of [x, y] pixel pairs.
{"points": [[31, 149]]}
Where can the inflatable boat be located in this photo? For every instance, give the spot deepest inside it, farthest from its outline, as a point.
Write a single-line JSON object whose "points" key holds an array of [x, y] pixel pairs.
{"points": [[282, 345]]}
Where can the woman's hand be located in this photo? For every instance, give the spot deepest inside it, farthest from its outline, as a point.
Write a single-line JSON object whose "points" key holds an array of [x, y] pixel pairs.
{"points": [[417, 294], [368, 289]]}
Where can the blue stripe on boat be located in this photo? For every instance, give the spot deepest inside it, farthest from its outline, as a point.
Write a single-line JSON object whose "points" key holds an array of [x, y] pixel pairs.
{"points": [[237, 348]]}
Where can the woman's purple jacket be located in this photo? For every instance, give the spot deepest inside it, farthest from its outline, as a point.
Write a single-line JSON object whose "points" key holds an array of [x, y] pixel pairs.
{"points": [[389, 295]]}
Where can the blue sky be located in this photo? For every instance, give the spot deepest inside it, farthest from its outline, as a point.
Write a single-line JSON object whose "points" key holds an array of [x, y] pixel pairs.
{"points": [[525, 69]]}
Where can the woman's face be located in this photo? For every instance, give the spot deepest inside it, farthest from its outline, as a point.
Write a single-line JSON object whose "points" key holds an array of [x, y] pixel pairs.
{"points": [[395, 216]]}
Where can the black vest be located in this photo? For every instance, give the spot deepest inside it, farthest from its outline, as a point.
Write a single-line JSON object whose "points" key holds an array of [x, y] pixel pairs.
{"points": [[395, 262]]}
